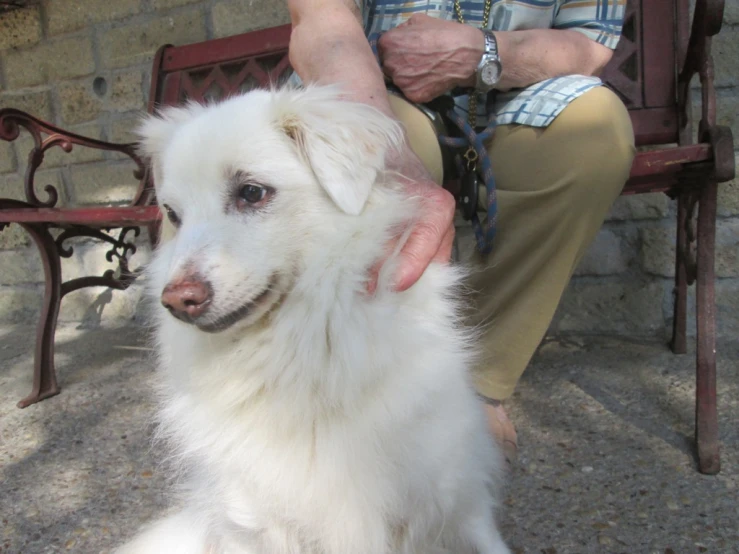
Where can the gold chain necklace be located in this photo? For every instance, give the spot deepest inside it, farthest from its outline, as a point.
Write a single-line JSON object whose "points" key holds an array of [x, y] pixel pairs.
{"points": [[485, 12], [471, 154]]}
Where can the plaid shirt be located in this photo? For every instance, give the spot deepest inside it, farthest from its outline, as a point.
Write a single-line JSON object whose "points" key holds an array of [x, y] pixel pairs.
{"points": [[538, 104]]}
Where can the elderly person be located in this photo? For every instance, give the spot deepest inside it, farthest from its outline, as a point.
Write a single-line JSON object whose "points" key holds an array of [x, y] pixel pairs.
{"points": [[561, 152]]}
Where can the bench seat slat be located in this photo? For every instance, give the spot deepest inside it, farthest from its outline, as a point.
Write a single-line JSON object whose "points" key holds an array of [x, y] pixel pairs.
{"points": [[670, 160], [102, 216]]}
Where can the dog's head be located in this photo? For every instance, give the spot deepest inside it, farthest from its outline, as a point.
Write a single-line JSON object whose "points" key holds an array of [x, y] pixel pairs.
{"points": [[251, 187]]}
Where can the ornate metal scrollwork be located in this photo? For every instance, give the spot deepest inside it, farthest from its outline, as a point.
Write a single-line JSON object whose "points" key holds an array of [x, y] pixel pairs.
{"points": [[122, 247], [689, 252], [224, 80], [121, 250], [11, 122]]}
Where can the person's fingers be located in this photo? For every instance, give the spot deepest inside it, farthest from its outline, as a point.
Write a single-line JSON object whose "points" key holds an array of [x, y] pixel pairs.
{"points": [[382, 53], [430, 238], [382, 44], [374, 272], [420, 94], [387, 71], [444, 254], [421, 19]]}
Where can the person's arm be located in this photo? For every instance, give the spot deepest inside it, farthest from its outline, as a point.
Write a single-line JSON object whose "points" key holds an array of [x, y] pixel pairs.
{"points": [[534, 55], [328, 46], [426, 57]]}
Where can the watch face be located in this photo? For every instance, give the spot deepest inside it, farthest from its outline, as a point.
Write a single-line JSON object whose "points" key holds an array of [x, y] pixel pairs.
{"points": [[490, 73]]}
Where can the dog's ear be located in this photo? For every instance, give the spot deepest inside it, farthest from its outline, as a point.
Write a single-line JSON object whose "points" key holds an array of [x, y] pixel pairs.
{"points": [[343, 142], [155, 131]]}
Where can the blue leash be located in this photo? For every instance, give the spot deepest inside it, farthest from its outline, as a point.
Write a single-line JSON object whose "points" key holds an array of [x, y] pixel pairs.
{"points": [[484, 232]]}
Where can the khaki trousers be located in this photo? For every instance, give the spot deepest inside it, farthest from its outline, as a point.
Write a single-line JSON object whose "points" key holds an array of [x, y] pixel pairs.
{"points": [[555, 186]]}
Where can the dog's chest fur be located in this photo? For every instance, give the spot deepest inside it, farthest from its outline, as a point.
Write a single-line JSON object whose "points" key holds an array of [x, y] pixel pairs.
{"points": [[305, 416], [320, 432]]}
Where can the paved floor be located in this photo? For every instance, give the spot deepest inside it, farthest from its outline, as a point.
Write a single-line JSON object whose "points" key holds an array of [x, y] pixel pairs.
{"points": [[604, 427]]}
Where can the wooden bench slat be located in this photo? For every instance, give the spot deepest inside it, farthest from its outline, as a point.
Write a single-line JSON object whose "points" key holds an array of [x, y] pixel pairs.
{"points": [[655, 125], [672, 160], [103, 216], [217, 51], [662, 170], [658, 53]]}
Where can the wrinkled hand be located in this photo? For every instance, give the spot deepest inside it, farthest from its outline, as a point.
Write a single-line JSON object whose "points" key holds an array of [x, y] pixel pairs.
{"points": [[432, 237], [426, 56]]}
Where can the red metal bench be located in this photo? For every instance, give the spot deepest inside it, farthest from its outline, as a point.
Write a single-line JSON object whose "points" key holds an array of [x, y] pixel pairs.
{"points": [[653, 82]]}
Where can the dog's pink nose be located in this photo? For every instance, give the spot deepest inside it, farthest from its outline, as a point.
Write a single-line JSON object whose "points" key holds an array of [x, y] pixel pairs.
{"points": [[188, 298]]}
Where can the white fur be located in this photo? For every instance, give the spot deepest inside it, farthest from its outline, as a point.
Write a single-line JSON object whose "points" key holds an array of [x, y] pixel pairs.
{"points": [[328, 421]]}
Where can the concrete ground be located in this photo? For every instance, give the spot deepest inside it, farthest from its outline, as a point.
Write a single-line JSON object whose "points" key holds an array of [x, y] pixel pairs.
{"points": [[605, 461]]}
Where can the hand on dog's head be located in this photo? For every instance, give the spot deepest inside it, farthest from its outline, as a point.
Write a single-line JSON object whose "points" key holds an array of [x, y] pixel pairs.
{"points": [[258, 190]]}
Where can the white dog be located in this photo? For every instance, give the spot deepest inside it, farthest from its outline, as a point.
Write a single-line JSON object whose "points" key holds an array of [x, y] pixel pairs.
{"points": [[306, 416]]}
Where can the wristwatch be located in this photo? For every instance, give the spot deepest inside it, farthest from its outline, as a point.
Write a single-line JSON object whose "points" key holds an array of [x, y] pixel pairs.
{"points": [[489, 69]]}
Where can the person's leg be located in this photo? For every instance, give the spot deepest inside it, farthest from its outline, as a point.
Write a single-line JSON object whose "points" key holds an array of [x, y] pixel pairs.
{"points": [[421, 135], [555, 187]]}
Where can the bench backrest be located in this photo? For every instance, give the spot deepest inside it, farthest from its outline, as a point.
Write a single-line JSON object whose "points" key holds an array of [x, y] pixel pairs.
{"points": [[214, 69], [642, 71]]}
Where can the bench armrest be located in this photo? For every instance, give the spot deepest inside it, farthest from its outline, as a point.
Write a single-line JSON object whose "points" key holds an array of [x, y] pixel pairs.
{"points": [[46, 136], [707, 21]]}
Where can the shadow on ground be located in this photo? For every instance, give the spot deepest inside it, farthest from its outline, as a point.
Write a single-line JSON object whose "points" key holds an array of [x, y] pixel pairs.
{"points": [[605, 429]]}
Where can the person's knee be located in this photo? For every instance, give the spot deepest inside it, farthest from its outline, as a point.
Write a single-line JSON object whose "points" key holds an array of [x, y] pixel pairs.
{"points": [[607, 132], [599, 144]]}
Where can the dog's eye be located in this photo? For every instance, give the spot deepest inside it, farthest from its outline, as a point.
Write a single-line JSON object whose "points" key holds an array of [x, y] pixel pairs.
{"points": [[172, 216], [253, 195]]}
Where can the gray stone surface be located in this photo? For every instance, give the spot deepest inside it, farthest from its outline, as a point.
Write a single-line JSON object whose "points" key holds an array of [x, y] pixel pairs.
{"points": [[628, 307], [20, 28], [65, 16], [607, 255], [728, 195], [104, 183], [642, 206], [8, 161], [605, 462], [21, 267], [731, 12], [725, 50], [136, 44], [49, 62], [35, 103], [237, 16]]}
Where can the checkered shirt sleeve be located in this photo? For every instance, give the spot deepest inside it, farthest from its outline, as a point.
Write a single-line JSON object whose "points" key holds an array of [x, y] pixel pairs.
{"points": [[599, 20]]}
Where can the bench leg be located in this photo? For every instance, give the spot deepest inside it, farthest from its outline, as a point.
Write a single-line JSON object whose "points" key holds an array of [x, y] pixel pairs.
{"points": [[44, 374], [680, 293], [706, 417]]}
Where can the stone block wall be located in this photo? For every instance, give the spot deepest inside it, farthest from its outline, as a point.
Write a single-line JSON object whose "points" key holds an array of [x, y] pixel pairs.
{"points": [[85, 65]]}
